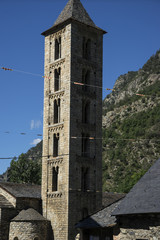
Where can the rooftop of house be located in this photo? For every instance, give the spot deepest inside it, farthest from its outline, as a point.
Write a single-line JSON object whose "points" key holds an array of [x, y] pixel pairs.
{"points": [[144, 196], [4, 203], [100, 219], [22, 190], [29, 215], [108, 198]]}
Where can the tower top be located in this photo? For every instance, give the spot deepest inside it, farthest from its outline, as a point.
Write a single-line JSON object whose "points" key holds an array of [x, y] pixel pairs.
{"points": [[73, 11]]}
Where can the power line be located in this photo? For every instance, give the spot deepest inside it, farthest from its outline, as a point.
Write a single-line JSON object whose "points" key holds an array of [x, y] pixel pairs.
{"points": [[73, 82]]}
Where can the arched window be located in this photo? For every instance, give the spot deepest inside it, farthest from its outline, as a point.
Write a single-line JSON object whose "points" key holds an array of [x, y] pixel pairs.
{"points": [[57, 79], [85, 146], [86, 79], [15, 238], [36, 238], [84, 179], [55, 144], [57, 48], [86, 48], [55, 172], [57, 111], [85, 112]]}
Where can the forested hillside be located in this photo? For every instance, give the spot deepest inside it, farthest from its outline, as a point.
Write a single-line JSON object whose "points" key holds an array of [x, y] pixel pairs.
{"points": [[131, 127], [131, 131]]}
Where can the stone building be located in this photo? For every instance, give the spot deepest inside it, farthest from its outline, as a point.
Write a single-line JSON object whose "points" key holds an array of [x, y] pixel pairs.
{"points": [[138, 214], [135, 217], [71, 168], [101, 224], [13, 199]]}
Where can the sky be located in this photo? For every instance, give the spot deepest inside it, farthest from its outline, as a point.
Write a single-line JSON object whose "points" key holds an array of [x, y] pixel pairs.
{"points": [[133, 36]]}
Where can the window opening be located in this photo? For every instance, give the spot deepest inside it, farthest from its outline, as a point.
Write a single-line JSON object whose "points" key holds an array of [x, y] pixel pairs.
{"points": [[86, 48], [86, 80], [57, 111], [84, 179], [58, 48], [85, 146], [55, 172], [85, 112], [55, 145], [57, 79], [16, 238]]}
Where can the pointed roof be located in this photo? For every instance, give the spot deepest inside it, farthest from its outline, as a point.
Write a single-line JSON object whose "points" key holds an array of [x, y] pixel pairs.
{"points": [[144, 197], [74, 10], [29, 215]]}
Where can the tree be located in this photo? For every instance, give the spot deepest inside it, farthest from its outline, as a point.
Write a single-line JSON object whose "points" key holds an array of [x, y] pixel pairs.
{"points": [[25, 170]]}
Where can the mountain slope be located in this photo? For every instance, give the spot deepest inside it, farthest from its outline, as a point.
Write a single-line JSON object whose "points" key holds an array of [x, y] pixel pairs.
{"points": [[131, 127]]}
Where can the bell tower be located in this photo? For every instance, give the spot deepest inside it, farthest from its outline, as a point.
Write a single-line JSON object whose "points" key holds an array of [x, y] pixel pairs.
{"points": [[71, 163]]}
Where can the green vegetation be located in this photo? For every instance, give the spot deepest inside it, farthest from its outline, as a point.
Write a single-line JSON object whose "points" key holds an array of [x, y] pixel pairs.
{"points": [[131, 143]]}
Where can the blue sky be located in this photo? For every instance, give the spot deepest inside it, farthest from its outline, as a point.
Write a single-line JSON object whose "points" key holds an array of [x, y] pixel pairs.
{"points": [[133, 28]]}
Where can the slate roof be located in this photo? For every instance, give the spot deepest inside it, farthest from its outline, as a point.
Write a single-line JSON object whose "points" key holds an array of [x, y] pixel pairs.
{"points": [[73, 10], [144, 197], [22, 190], [4, 203], [29, 215], [100, 219], [109, 198]]}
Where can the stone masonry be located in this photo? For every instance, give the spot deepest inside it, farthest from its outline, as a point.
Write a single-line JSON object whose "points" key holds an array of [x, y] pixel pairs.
{"points": [[71, 166]]}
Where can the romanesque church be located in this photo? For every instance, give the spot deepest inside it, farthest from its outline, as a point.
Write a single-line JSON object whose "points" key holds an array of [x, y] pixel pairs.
{"points": [[69, 204]]}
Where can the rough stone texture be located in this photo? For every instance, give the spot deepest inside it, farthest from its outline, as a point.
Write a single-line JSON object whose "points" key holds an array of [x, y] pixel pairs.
{"points": [[145, 227], [6, 214], [29, 230], [64, 206]]}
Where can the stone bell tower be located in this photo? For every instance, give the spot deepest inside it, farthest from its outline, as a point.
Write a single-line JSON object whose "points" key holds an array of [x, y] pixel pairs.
{"points": [[71, 166]]}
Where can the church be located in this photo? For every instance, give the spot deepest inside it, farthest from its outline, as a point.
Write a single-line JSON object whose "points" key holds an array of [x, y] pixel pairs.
{"points": [[69, 205], [72, 136]]}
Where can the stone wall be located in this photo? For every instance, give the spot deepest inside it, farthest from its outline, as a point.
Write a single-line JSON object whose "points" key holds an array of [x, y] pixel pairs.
{"points": [[29, 230], [145, 227], [64, 207], [24, 203], [6, 215]]}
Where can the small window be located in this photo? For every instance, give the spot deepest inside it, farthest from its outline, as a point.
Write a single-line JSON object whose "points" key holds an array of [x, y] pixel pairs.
{"points": [[36, 238], [84, 179], [55, 172], [85, 146], [86, 80], [16, 238], [55, 145], [86, 48], [57, 79], [57, 111], [85, 112], [58, 48]]}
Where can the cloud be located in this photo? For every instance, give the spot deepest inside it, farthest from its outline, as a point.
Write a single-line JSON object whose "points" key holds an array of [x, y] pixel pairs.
{"points": [[35, 124], [35, 141]]}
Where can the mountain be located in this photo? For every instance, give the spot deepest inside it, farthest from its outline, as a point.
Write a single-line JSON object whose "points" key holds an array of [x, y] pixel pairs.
{"points": [[131, 126]]}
